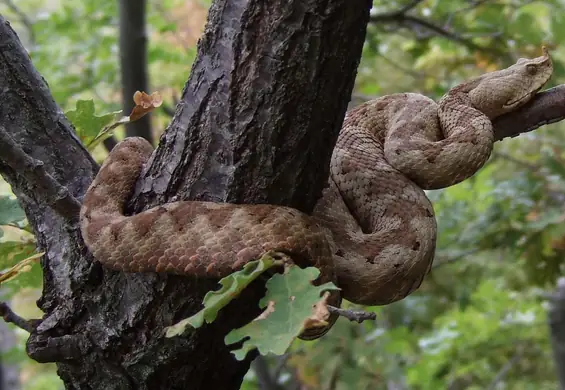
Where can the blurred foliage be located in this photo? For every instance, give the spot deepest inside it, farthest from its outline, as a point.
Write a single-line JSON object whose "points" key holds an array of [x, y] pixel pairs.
{"points": [[479, 320]]}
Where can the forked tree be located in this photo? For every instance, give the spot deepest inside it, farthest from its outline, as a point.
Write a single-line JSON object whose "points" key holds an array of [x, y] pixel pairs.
{"points": [[269, 88]]}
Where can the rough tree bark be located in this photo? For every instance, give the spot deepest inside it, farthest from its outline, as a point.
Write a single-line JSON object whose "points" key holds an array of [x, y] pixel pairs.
{"points": [[257, 121]]}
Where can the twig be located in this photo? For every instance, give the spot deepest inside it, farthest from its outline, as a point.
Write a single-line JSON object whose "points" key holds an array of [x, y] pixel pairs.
{"points": [[442, 32], [11, 317], [281, 363], [267, 381], [414, 74], [353, 315], [393, 15], [403, 19], [472, 5], [504, 370], [58, 196], [408, 20], [26, 21], [409, 6]]}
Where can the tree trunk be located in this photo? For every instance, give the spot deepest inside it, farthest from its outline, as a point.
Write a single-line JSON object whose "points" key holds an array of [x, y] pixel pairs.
{"points": [[133, 62], [256, 123], [556, 322], [9, 371]]}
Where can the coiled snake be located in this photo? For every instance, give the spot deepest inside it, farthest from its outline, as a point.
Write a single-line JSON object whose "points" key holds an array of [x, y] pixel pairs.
{"points": [[373, 231]]}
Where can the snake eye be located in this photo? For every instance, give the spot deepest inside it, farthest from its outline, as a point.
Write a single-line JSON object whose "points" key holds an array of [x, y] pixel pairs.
{"points": [[531, 69]]}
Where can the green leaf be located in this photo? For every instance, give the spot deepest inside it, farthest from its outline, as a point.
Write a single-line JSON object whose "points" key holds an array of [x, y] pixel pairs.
{"points": [[10, 211], [214, 301], [12, 252], [290, 297], [87, 124]]}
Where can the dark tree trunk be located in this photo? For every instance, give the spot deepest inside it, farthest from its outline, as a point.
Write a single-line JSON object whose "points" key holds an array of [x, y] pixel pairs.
{"points": [[557, 330], [256, 123], [133, 62]]}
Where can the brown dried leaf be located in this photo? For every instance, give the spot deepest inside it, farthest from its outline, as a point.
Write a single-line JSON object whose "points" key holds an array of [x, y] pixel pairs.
{"points": [[144, 104], [22, 266]]}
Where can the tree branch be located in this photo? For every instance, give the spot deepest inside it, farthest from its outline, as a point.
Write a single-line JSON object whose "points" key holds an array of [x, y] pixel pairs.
{"points": [[34, 171], [505, 370], [267, 381], [11, 317], [545, 108], [26, 21], [353, 315], [409, 6], [402, 18]]}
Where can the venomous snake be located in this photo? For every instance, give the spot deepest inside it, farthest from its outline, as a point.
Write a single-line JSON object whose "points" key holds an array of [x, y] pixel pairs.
{"points": [[373, 231]]}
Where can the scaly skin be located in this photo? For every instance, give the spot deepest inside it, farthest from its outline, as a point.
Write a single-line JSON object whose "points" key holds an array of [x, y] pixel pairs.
{"points": [[373, 231]]}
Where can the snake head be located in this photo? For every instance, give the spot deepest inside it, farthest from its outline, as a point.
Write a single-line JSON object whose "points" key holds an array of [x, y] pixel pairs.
{"points": [[503, 91]]}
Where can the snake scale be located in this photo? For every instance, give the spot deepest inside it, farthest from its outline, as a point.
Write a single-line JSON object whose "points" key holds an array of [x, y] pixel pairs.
{"points": [[373, 231]]}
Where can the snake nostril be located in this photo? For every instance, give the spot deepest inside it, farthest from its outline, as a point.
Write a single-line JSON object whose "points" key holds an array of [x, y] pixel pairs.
{"points": [[416, 246]]}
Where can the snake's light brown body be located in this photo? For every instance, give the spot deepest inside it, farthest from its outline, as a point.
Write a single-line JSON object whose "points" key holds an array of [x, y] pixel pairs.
{"points": [[373, 231]]}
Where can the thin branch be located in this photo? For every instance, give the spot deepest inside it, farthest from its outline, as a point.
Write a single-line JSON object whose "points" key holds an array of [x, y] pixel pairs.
{"points": [[409, 6], [504, 370], [267, 381], [57, 196], [11, 317], [405, 20], [281, 364], [394, 15], [545, 108], [26, 21], [410, 72], [442, 32], [353, 315]]}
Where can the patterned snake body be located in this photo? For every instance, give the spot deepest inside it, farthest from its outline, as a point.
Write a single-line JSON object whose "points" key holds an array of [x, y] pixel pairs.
{"points": [[373, 231]]}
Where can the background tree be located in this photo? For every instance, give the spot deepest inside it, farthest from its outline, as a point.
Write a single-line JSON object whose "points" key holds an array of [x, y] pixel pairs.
{"points": [[479, 318], [133, 62]]}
